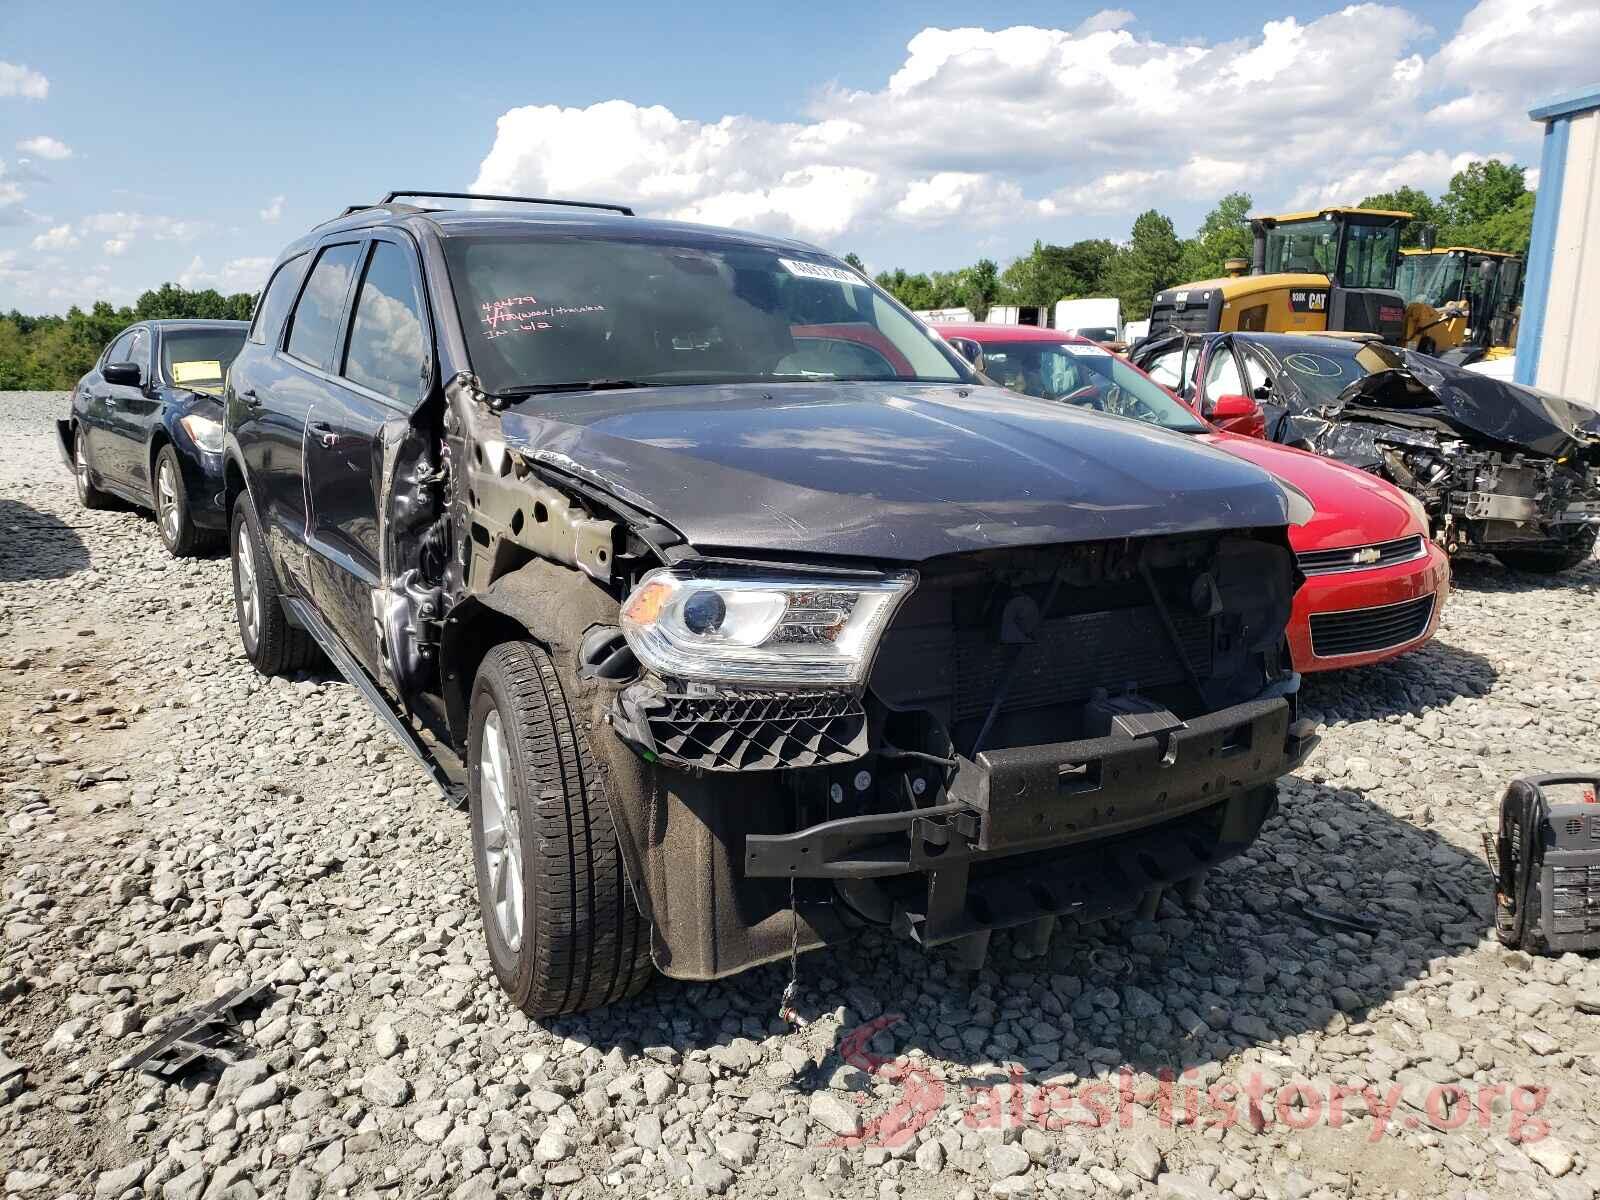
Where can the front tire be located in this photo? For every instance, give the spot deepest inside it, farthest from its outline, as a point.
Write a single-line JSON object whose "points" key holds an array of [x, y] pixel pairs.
{"points": [[88, 495], [179, 534], [1550, 560], [563, 930], [273, 646]]}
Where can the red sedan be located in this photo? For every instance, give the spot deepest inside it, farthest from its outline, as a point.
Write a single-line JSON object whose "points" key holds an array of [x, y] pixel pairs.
{"points": [[1375, 581]]}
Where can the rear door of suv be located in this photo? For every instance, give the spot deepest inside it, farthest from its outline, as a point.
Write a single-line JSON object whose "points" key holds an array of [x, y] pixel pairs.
{"points": [[380, 373], [297, 378]]}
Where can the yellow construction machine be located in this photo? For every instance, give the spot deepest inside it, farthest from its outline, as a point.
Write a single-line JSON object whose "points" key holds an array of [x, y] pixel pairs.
{"points": [[1462, 303], [1330, 270]]}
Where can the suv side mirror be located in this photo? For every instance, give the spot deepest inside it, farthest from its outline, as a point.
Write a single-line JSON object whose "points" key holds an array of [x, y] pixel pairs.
{"points": [[1238, 414], [126, 374]]}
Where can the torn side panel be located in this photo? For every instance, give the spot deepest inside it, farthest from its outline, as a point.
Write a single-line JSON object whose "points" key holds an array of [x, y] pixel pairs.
{"points": [[504, 514]]}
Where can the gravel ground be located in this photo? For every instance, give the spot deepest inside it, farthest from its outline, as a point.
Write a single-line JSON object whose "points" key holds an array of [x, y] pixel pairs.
{"points": [[175, 826]]}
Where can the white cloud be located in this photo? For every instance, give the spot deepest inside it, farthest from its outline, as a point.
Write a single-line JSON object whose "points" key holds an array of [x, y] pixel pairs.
{"points": [[1036, 123], [115, 247], [1520, 44], [45, 147], [57, 237], [19, 80], [160, 228], [1429, 170], [972, 197], [1106, 18], [236, 275], [273, 211]]}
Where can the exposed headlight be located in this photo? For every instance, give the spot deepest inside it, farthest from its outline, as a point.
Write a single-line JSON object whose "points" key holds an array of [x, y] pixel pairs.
{"points": [[1301, 510], [1419, 511], [207, 434], [756, 629]]}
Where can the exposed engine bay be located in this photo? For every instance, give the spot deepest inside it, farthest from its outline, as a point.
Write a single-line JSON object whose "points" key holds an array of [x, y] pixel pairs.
{"points": [[1495, 464]]}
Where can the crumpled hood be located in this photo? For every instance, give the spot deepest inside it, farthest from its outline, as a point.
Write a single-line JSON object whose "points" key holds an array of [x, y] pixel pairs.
{"points": [[893, 472], [1475, 406]]}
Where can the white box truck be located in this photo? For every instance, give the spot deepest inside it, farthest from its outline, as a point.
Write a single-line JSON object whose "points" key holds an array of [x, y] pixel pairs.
{"points": [[1098, 318]]}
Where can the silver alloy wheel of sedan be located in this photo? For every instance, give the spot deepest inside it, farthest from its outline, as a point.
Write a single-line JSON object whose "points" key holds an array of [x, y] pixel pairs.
{"points": [[167, 501], [249, 600], [502, 831], [80, 463]]}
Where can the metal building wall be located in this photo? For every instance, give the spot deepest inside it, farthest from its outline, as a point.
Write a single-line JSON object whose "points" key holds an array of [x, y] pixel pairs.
{"points": [[1558, 344]]}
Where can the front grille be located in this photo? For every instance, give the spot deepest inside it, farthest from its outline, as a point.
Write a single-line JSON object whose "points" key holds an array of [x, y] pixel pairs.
{"points": [[758, 731], [1360, 558], [1365, 630], [1071, 656]]}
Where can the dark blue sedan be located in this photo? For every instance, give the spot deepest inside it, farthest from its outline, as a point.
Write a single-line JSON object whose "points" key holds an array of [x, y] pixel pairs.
{"points": [[146, 426]]}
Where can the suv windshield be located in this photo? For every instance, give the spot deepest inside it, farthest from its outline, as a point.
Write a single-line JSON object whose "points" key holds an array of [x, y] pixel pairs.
{"points": [[199, 358], [544, 313], [1075, 373]]}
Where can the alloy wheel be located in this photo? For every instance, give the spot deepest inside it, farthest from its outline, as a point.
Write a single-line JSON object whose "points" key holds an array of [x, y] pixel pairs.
{"points": [[80, 464], [502, 831], [249, 602], [167, 502]]}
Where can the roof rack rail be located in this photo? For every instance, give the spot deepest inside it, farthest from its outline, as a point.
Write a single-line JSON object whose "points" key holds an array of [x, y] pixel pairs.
{"points": [[617, 208]]}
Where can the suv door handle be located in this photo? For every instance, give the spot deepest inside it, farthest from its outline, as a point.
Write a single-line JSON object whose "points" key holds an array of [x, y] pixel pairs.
{"points": [[326, 435], [248, 398]]}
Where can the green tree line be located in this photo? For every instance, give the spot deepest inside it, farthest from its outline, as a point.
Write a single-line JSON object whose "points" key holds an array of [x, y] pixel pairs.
{"points": [[50, 353], [1487, 205]]}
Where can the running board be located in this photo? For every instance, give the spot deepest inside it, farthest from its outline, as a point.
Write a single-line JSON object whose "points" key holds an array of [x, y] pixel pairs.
{"points": [[308, 619]]}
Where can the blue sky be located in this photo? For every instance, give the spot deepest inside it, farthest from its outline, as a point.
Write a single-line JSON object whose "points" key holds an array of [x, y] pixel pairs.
{"points": [[191, 145]]}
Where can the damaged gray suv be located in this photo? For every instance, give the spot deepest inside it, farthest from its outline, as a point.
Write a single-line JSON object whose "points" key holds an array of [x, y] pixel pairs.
{"points": [[743, 613]]}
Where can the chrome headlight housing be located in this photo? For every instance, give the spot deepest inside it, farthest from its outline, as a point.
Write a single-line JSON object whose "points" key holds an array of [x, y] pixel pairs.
{"points": [[761, 629]]}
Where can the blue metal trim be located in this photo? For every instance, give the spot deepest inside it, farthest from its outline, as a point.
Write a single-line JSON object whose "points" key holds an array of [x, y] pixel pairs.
{"points": [[1542, 250], [1565, 106]]}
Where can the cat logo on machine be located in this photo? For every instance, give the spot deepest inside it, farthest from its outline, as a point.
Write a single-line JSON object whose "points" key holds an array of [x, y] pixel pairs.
{"points": [[1309, 300]]}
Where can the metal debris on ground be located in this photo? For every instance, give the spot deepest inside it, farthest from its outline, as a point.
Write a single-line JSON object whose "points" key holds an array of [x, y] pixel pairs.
{"points": [[209, 1032], [1341, 920]]}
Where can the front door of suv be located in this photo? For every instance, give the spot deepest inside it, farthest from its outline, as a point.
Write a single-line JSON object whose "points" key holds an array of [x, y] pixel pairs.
{"points": [[380, 375], [299, 380]]}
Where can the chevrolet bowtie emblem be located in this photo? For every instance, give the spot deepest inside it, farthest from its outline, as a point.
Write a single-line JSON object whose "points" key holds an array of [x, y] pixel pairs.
{"points": [[1365, 555]]}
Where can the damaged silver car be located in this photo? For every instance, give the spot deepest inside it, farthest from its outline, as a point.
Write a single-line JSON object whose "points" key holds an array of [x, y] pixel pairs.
{"points": [[1509, 470], [740, 611]]}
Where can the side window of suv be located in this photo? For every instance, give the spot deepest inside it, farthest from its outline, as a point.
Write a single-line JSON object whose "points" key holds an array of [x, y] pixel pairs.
{"points": [[314, 327], [387, 352], [275, 301]]}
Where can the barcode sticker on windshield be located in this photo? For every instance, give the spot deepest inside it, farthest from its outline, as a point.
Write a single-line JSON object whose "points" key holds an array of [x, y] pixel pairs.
{"points": [[1085, 350], [808, 270]]}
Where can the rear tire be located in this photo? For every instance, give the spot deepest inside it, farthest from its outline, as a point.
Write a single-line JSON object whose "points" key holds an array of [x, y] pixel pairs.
{"points": [[88, 495], [273, 646], [1541, 560], [179, 534], [563, 930]]}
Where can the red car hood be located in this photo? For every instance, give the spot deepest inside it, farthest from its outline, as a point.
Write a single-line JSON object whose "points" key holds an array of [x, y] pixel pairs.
{"points": [[1353, 507]]}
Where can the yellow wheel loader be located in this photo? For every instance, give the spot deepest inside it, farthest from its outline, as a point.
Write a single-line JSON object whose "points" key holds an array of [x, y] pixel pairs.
{"points": [[1462, 303], [1330, 270]]}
